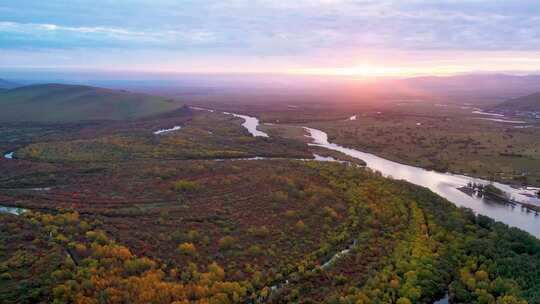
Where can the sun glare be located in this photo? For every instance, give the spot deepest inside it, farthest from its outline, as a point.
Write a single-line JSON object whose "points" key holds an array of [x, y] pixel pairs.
{"points": [[368, 71]]}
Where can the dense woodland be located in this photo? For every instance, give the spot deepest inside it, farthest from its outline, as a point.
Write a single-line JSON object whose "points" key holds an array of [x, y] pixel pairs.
{"points": [[407, 246], [117, 214]]}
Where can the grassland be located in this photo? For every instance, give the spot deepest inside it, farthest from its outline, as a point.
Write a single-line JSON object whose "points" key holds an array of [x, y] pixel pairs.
{"points": [[439, 137], [203, 135]]}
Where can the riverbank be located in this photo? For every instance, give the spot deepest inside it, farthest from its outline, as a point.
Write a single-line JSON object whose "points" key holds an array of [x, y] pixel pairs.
{"points": [[454, 142], [445, 168], [444, 184]]}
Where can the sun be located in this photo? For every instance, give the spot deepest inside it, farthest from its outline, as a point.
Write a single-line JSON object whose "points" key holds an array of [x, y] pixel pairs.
{"points": [[373, 71]]}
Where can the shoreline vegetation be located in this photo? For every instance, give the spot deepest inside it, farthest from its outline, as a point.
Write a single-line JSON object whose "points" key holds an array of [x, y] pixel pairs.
{"points": [[443, 139], [380, 148], [494, 194]]}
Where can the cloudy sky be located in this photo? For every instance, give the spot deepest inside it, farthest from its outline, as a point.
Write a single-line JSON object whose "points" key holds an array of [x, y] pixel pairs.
{"points": [[337, 37]]}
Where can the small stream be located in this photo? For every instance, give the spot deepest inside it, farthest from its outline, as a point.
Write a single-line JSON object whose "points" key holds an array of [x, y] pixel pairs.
{"points": [[12, 210], [161, 131], [326, 264], [504, 120], [501, 117], [338, 255], [443, 300], [480, 112]]}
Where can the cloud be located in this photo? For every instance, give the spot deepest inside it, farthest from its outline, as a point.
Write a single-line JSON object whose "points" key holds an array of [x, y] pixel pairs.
{"points": [[300, 30], [306, 24], [47, 32]]}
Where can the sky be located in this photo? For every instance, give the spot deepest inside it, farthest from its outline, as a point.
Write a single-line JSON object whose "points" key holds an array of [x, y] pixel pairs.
{"points": [[362, 38]]}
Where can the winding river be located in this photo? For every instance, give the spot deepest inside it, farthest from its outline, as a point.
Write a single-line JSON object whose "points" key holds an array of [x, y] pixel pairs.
{"points": [[250, 123], [444, 184], [12, 210], [447, 185]]}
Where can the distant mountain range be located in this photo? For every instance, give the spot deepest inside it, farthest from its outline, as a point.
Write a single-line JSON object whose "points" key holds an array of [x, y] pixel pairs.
{"points": [[470, 88], [59, 102], [493, 86], [483, 90], [529, 103], [5, 84]]}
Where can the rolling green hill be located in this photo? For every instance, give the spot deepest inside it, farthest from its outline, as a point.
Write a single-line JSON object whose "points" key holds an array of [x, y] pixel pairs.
{"points": [[529, 103], [59, 102]]}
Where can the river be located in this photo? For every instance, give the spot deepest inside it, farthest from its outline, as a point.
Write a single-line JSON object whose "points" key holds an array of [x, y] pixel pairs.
{"points": [[250, 123], [12, 210], [444, 184], [447, 185]]}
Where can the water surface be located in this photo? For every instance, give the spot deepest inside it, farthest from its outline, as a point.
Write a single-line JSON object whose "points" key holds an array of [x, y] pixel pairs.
{"points": [[161, 131], [504, 120], [250, 123], [447, 185], [444, 184], [444, 300], [12, 210], [480, 112]]}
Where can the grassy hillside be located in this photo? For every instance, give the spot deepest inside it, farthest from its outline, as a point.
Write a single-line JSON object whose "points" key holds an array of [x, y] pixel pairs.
{"points": [[529, 103], [58, 102]]}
